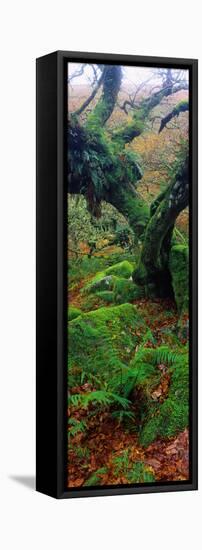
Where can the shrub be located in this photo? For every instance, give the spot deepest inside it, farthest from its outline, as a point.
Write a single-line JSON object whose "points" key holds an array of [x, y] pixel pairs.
{"points": [[124, 236]]}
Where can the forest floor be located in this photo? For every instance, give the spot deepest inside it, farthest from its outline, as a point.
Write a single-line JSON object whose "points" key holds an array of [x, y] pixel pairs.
{"points": [[107, 449]]}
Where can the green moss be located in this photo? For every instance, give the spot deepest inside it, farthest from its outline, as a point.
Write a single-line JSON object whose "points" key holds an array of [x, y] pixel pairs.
{"points": [[91, 302], [100, 282], [157, 201], [181, 107], [104, 279], [126, 291], [106, 296], [125, 134], [97, 299], [179, 269], [122, 291], [101, 343], [128, 132], [106, 103], [140, 274], [73, 312], [114, 285], [122, 269], [132, 206], [84, 268]]}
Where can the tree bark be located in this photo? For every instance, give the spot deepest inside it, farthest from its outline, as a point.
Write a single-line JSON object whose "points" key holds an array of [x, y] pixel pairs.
{"points": [[129, 203], [122, 196], [153, 271], [181, 107], [105, 106]]}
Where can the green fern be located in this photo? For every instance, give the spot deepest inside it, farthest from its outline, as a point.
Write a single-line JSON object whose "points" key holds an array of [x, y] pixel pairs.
{"points": [[76, 427], [140, 474], [172, 415], [164, 355], [94, 479], [121, 462], [100, 397]]}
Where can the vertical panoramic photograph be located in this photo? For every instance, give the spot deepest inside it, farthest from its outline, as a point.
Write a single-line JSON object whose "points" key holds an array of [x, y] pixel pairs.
{"points": [[128, 275]]}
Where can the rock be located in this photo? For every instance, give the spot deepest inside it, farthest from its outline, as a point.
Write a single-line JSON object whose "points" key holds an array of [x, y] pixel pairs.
{"points": [[122, 269]]}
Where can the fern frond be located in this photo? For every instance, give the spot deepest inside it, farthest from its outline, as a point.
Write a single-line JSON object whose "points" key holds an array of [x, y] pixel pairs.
{"points": [[102, 397], [94, 479], [76, 427]]}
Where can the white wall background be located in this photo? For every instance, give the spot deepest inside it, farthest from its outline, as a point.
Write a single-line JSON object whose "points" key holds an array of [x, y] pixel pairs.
{"points": [[30, 29]]}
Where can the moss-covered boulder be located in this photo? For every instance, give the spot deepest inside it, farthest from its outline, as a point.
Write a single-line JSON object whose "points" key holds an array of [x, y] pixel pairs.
{"points": [[98, 285], [73, 312], [101, 344], [114, 290], [122, 291], [179, 269], [115, 284], [122, 269], [105, 296], [126, 291], [103, 280], [97, 299]]}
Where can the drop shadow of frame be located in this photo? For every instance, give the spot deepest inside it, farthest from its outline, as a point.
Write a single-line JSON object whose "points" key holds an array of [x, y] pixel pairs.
{"points": [[27, 481]]}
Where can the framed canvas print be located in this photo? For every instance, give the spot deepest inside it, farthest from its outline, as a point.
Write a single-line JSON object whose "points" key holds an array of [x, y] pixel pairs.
{"points": [[116, 274]]}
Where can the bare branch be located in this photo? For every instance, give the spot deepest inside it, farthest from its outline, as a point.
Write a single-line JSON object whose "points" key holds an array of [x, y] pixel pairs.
{"points": [[130, 104], [77, 73], [135, 127], [91, 97], [180, 108]]}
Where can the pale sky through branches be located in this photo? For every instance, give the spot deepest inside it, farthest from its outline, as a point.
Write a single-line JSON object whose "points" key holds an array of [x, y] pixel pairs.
{"points": [[131, 75]]}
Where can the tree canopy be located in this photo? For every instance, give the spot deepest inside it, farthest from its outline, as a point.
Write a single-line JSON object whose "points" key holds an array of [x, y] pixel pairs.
{"points": [[102, 167]]}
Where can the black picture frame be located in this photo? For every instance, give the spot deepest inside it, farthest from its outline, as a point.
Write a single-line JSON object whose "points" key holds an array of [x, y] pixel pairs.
{"points": [[51, 189]]}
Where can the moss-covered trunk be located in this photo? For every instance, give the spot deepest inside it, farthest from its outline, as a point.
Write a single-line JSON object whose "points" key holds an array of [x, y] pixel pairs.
{"points": [[127, 201], [111, 85], [153, 270], [102, 174]]}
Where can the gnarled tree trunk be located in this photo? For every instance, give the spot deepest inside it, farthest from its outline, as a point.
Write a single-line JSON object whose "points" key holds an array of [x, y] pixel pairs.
{"points": [[99, 168], [128, 202], [100, 175], [153, 270]]}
